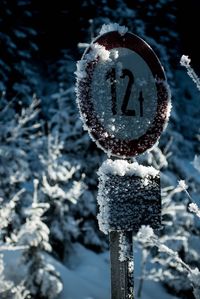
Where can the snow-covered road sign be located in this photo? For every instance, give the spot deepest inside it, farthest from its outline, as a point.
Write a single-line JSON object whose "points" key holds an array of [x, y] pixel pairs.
{"points": [[124, 103], [122, 94]]}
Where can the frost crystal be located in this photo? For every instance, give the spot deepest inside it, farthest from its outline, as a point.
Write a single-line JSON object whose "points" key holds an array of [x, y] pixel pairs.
{"points": [[113, 27], [185, 60], [98, 51], [182, 184], [194, 209]]}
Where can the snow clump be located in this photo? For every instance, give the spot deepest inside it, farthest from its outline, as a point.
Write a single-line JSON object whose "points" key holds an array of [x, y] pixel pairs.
{"points": [[96, 51], [122, 168], [182, 184], [185, 61]]}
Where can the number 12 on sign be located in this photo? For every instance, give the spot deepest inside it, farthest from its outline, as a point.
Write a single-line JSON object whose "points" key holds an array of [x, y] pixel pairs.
{"points": [[111, 74]]}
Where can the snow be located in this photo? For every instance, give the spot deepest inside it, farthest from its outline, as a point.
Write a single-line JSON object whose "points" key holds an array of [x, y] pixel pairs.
{"points": [[113, 27], [122, 168], [145, 232]]}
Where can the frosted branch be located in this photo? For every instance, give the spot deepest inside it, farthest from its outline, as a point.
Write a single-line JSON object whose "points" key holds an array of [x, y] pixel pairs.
{"points": [[185, 61]]}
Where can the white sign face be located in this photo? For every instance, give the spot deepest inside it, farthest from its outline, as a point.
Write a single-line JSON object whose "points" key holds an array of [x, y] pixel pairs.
{"points": [[122, 94]]}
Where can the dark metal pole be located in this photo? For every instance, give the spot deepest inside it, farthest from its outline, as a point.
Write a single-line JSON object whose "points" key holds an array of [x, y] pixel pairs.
{"points": [[122, 272]]}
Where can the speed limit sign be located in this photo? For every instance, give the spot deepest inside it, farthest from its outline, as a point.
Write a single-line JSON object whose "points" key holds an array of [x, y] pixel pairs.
{"points": [[122, 94]]}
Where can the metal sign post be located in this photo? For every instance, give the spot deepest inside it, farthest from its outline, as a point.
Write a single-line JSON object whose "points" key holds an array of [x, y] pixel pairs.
{"points": [[124, 104], [122, 275]]}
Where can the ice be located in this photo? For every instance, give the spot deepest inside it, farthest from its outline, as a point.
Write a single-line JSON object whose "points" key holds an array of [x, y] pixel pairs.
{"points": [[113, 27]]}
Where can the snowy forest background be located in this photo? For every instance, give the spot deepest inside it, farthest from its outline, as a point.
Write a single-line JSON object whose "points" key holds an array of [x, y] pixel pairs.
{"points": [[50, 243]]}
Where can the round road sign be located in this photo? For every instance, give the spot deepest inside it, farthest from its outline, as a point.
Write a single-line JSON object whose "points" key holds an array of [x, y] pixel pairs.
{"points": [[122, 94]]}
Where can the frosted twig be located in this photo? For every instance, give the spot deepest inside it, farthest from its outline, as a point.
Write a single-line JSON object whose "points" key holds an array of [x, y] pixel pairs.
{"points": [[185, 61], [13, 248], [182, 184], [192, 206], [146, 236]]}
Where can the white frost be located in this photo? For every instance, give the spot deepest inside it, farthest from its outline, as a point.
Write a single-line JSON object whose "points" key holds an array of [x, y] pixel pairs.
{"points": [[145, 232], [80, 69], [122, 167], [185, 60], [124, 249], [96, 51], [113, 27]]}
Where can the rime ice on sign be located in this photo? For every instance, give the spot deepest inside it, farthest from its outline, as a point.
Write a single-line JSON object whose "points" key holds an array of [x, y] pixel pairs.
{"points": [[128, 196], [122, 92]]}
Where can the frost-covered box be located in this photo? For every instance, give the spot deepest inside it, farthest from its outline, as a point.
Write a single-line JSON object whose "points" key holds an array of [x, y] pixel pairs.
{"points": [[128, 197]]}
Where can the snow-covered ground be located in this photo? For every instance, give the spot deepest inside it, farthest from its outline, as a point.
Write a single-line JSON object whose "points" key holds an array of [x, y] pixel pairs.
{"points": [[87, 276]]}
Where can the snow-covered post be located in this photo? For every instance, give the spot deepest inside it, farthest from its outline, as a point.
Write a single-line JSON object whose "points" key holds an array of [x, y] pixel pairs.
{"points": [[128, 197], [123, 100]]}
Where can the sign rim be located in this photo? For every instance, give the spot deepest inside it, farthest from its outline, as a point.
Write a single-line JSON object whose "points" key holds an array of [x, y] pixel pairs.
{"points": [[107, 142]]}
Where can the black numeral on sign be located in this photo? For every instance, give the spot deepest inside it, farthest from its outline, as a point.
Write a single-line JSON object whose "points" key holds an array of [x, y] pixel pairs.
{"points": [[126, 99], [112, 76], [125, 111]]}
